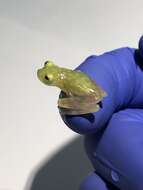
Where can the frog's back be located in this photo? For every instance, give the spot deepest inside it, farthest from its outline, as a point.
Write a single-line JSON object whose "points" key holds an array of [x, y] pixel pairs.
{"points": [[79, 83]]}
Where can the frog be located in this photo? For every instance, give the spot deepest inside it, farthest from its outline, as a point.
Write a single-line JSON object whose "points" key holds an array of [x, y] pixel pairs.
{"points": [[81, 94]]}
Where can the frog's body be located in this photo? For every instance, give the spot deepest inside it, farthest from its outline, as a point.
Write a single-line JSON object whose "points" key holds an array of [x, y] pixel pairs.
{"points": [[82, 93]]}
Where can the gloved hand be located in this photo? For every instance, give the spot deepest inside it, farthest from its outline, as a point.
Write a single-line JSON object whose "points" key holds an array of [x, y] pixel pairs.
{"points": [[114, 134]]}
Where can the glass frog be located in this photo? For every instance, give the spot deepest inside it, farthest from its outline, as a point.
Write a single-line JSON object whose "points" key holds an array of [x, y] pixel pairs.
{"points": [[81, 94]]}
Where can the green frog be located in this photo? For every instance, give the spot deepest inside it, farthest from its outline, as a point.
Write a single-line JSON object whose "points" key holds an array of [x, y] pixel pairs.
{"points": [[81, 94]]}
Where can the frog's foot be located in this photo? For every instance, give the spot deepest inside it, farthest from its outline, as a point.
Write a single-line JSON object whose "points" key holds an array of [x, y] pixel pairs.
{"points": [[102, 92], [80, 111], [78, 102]]}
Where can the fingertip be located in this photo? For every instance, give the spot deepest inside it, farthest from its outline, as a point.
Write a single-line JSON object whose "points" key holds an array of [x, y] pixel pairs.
{"points": [[82, 124], [141, 46]]}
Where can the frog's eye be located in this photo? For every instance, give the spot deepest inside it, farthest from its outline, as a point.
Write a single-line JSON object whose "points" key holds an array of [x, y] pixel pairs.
{"points": [[46, 62], [47, 78], [49, 63]]}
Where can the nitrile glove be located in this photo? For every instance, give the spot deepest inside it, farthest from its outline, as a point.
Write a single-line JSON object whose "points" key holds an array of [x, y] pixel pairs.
{"points": [[114, 134]]}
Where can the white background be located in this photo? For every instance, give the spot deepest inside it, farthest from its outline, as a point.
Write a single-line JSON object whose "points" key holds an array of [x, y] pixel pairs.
{"points": [[31, 130]]}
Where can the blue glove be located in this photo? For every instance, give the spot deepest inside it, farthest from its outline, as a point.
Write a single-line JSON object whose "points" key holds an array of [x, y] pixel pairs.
{"points": [[114, 134]]}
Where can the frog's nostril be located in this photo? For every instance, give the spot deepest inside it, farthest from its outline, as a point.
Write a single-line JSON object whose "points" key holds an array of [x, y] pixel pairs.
{"points": [[46, 77]]}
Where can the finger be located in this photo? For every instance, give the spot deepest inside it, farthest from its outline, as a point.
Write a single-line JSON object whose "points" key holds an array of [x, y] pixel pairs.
{"points": [[123, 137], [94, 181], [141, 46], [114, 71]]}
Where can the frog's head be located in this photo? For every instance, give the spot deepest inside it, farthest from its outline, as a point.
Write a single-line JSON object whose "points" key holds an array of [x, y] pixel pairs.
{"points": [[49, 74]]}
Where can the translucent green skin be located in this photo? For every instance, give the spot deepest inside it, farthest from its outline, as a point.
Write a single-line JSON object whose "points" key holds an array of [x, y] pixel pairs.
{"points": [[82, 93]]}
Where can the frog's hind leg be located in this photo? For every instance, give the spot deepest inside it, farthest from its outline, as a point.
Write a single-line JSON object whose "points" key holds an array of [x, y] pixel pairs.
{"points": [[77, 102], [78, 105], [80, 111]]}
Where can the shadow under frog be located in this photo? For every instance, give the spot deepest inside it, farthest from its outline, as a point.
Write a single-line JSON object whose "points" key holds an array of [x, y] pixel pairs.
{"points": [[66, 169]]}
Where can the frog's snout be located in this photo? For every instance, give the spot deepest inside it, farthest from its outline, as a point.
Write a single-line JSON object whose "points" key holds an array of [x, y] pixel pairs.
{"points": [[39, 74], [43, 77]]}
